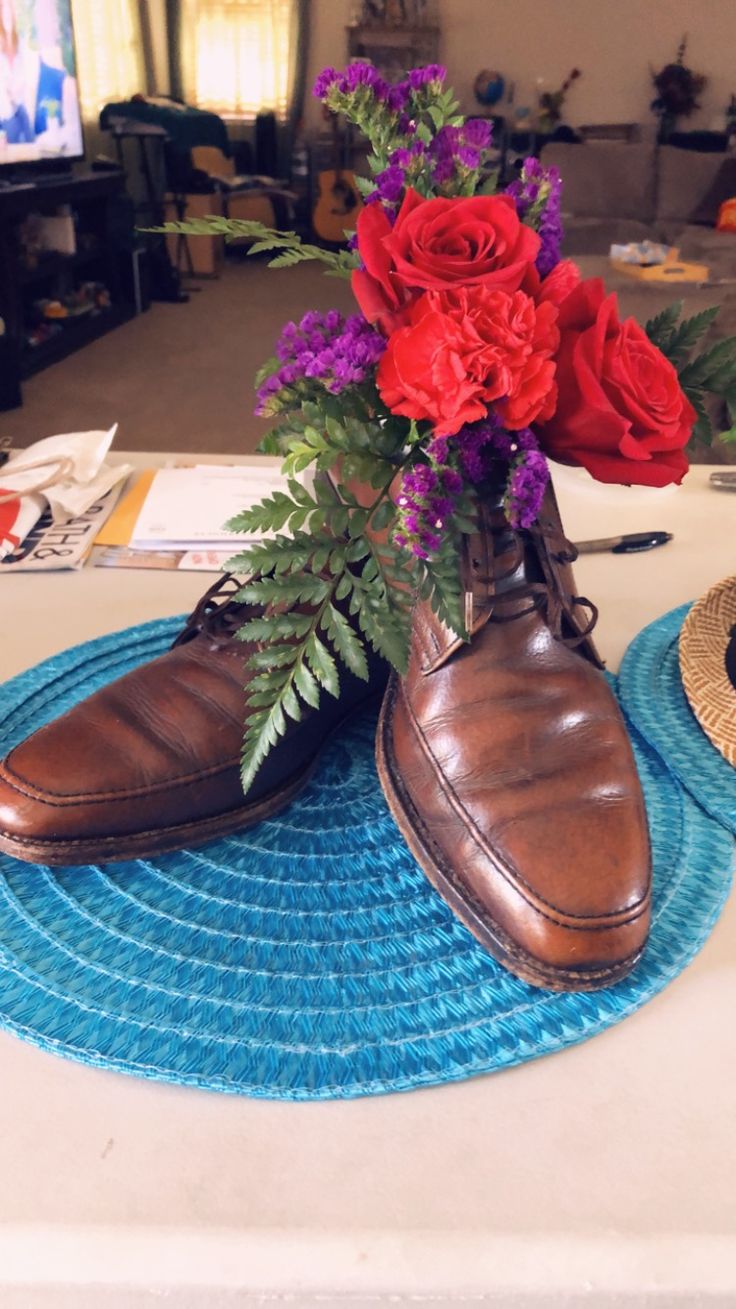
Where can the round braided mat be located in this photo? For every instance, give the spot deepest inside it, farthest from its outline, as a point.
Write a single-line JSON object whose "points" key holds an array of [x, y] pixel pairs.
{"points": [[651, 692], [309, 957]]}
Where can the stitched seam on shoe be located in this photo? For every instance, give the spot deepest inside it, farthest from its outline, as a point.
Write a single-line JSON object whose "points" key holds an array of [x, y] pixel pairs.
{"points": [[74, 842], [60, 800], [513, 876]]}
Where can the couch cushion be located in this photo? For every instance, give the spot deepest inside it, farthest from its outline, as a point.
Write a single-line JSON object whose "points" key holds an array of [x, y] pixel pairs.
{"points": [[595, 236], [604, 179], [692, 186]]}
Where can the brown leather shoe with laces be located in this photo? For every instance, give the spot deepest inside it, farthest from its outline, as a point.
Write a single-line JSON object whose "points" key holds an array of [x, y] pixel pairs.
{"points": [[507, 765], [151, 762]]}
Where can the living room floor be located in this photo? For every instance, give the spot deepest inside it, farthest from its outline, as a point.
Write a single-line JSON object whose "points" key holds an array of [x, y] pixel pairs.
{"points": [[179, 377]]}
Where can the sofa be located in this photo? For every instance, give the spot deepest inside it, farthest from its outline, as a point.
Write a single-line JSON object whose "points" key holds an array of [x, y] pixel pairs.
{"points": [[614, 191]]}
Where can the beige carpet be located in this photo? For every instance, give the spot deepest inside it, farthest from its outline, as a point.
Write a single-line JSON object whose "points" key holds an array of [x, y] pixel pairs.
{"points": [[179, 377]]}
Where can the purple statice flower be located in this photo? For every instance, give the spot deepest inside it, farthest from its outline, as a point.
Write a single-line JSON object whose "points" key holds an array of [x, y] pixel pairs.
{"points": [[326, 349], [526, 187], [357, 76], [426, 503], [550, 227], [363, 73], [458, 150], [537, 193], [480, 445], [432, 75], [325, 82], [476, 444], [525, 488], [477, 133], [396, 98], [447, 141], [404, 164], [429, 492], [468, 157], [389, 184]]}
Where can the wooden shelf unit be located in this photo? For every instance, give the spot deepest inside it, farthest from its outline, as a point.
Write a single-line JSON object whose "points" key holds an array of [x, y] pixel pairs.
{"points": [[105, 241], [394, 50]]}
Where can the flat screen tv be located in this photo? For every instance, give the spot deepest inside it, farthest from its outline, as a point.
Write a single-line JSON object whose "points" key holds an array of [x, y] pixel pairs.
{"points": [[40, 119]]}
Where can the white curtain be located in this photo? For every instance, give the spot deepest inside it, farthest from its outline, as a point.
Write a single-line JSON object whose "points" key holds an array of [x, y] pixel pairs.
{"points": [[110, 64], [238, 56]]}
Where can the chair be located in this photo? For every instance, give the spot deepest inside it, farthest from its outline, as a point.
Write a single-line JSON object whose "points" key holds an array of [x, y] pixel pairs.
{"points": [[245, 196]]}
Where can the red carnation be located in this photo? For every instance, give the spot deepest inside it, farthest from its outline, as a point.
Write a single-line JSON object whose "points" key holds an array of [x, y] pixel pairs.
{"points": [[462, 350]]}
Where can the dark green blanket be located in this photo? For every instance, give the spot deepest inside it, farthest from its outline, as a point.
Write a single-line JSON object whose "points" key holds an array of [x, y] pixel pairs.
{"points": [[184, 126]]}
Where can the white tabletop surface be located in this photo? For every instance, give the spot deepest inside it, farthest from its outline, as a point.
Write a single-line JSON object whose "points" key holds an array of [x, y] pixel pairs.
{"points": [[601, 1176]]}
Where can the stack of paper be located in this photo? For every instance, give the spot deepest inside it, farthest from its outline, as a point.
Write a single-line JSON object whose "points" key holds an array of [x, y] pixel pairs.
{"points": [[187, 508]]}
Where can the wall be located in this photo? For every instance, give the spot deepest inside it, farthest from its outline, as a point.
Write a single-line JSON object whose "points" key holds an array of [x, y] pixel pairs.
{"points": [[613, 42], [327, 45], [159, 42]]}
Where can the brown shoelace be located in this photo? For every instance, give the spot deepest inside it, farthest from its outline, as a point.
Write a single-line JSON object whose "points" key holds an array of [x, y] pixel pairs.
{"points": [[216, 613], [547, 596]]}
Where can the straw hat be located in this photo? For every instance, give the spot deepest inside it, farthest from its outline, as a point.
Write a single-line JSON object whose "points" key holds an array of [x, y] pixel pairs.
{"points": [[708, 664]]}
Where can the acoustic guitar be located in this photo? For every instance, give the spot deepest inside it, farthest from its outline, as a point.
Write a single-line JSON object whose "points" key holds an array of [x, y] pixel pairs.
{"points": [[338, 202]]}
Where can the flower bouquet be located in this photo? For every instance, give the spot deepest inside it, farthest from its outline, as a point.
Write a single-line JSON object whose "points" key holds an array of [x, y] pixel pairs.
{"points": [[549, 112], [475, 355]]}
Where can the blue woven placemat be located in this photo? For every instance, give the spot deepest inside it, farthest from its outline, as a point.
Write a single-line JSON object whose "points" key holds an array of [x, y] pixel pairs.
{"points": [[651, 692], [309, 957]]}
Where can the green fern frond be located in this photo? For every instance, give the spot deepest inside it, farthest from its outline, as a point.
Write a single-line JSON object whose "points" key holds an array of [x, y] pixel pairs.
{"points": [[687, 335], [290, 245], [660, 328]]}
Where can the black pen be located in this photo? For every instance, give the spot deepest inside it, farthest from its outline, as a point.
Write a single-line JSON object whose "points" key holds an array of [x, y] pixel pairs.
{"points": [[624, 545]]}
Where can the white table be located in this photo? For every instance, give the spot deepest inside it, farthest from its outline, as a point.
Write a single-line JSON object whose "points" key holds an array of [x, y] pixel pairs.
{"points": [[600, 1176]]}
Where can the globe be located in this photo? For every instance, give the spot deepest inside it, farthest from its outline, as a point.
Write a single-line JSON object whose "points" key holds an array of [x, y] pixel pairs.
{"points": [[489, 87]]}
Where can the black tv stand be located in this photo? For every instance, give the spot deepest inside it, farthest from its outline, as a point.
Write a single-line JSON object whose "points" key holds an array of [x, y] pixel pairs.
{"points": [[104, 240], [44, 172]]}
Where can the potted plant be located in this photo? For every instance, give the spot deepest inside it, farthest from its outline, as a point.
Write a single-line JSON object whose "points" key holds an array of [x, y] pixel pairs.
{"points": [[678, 88]]}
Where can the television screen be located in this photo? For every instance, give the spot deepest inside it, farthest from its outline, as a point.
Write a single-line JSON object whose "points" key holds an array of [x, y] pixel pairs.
{"points": [[39, 99]]}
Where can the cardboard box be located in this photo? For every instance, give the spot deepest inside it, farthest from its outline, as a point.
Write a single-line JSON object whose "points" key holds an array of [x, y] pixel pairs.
{"points": [[207, 252], [673, 269]]}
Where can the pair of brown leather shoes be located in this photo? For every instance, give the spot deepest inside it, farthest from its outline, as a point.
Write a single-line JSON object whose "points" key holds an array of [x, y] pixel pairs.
{"points": [[505, 761]]}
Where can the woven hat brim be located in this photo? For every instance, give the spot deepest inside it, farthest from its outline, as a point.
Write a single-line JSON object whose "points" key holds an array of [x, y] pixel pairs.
{"points": [[704, 639], [650, 689]]}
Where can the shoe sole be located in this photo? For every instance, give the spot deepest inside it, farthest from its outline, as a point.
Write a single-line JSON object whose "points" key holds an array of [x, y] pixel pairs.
{"points": [[182, 836], [467, 908]]}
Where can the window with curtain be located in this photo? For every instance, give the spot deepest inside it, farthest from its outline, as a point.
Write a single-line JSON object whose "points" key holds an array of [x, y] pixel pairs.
{"points": [[110, 61], [238, 56]]}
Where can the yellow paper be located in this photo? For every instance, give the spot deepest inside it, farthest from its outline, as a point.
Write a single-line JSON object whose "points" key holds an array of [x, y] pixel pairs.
{"points": [[119, 527]]}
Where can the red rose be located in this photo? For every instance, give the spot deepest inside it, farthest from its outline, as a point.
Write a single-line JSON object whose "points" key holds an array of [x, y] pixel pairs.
{"points": [[621, 412], [558, 284], [437, 245], [463, 350]]}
